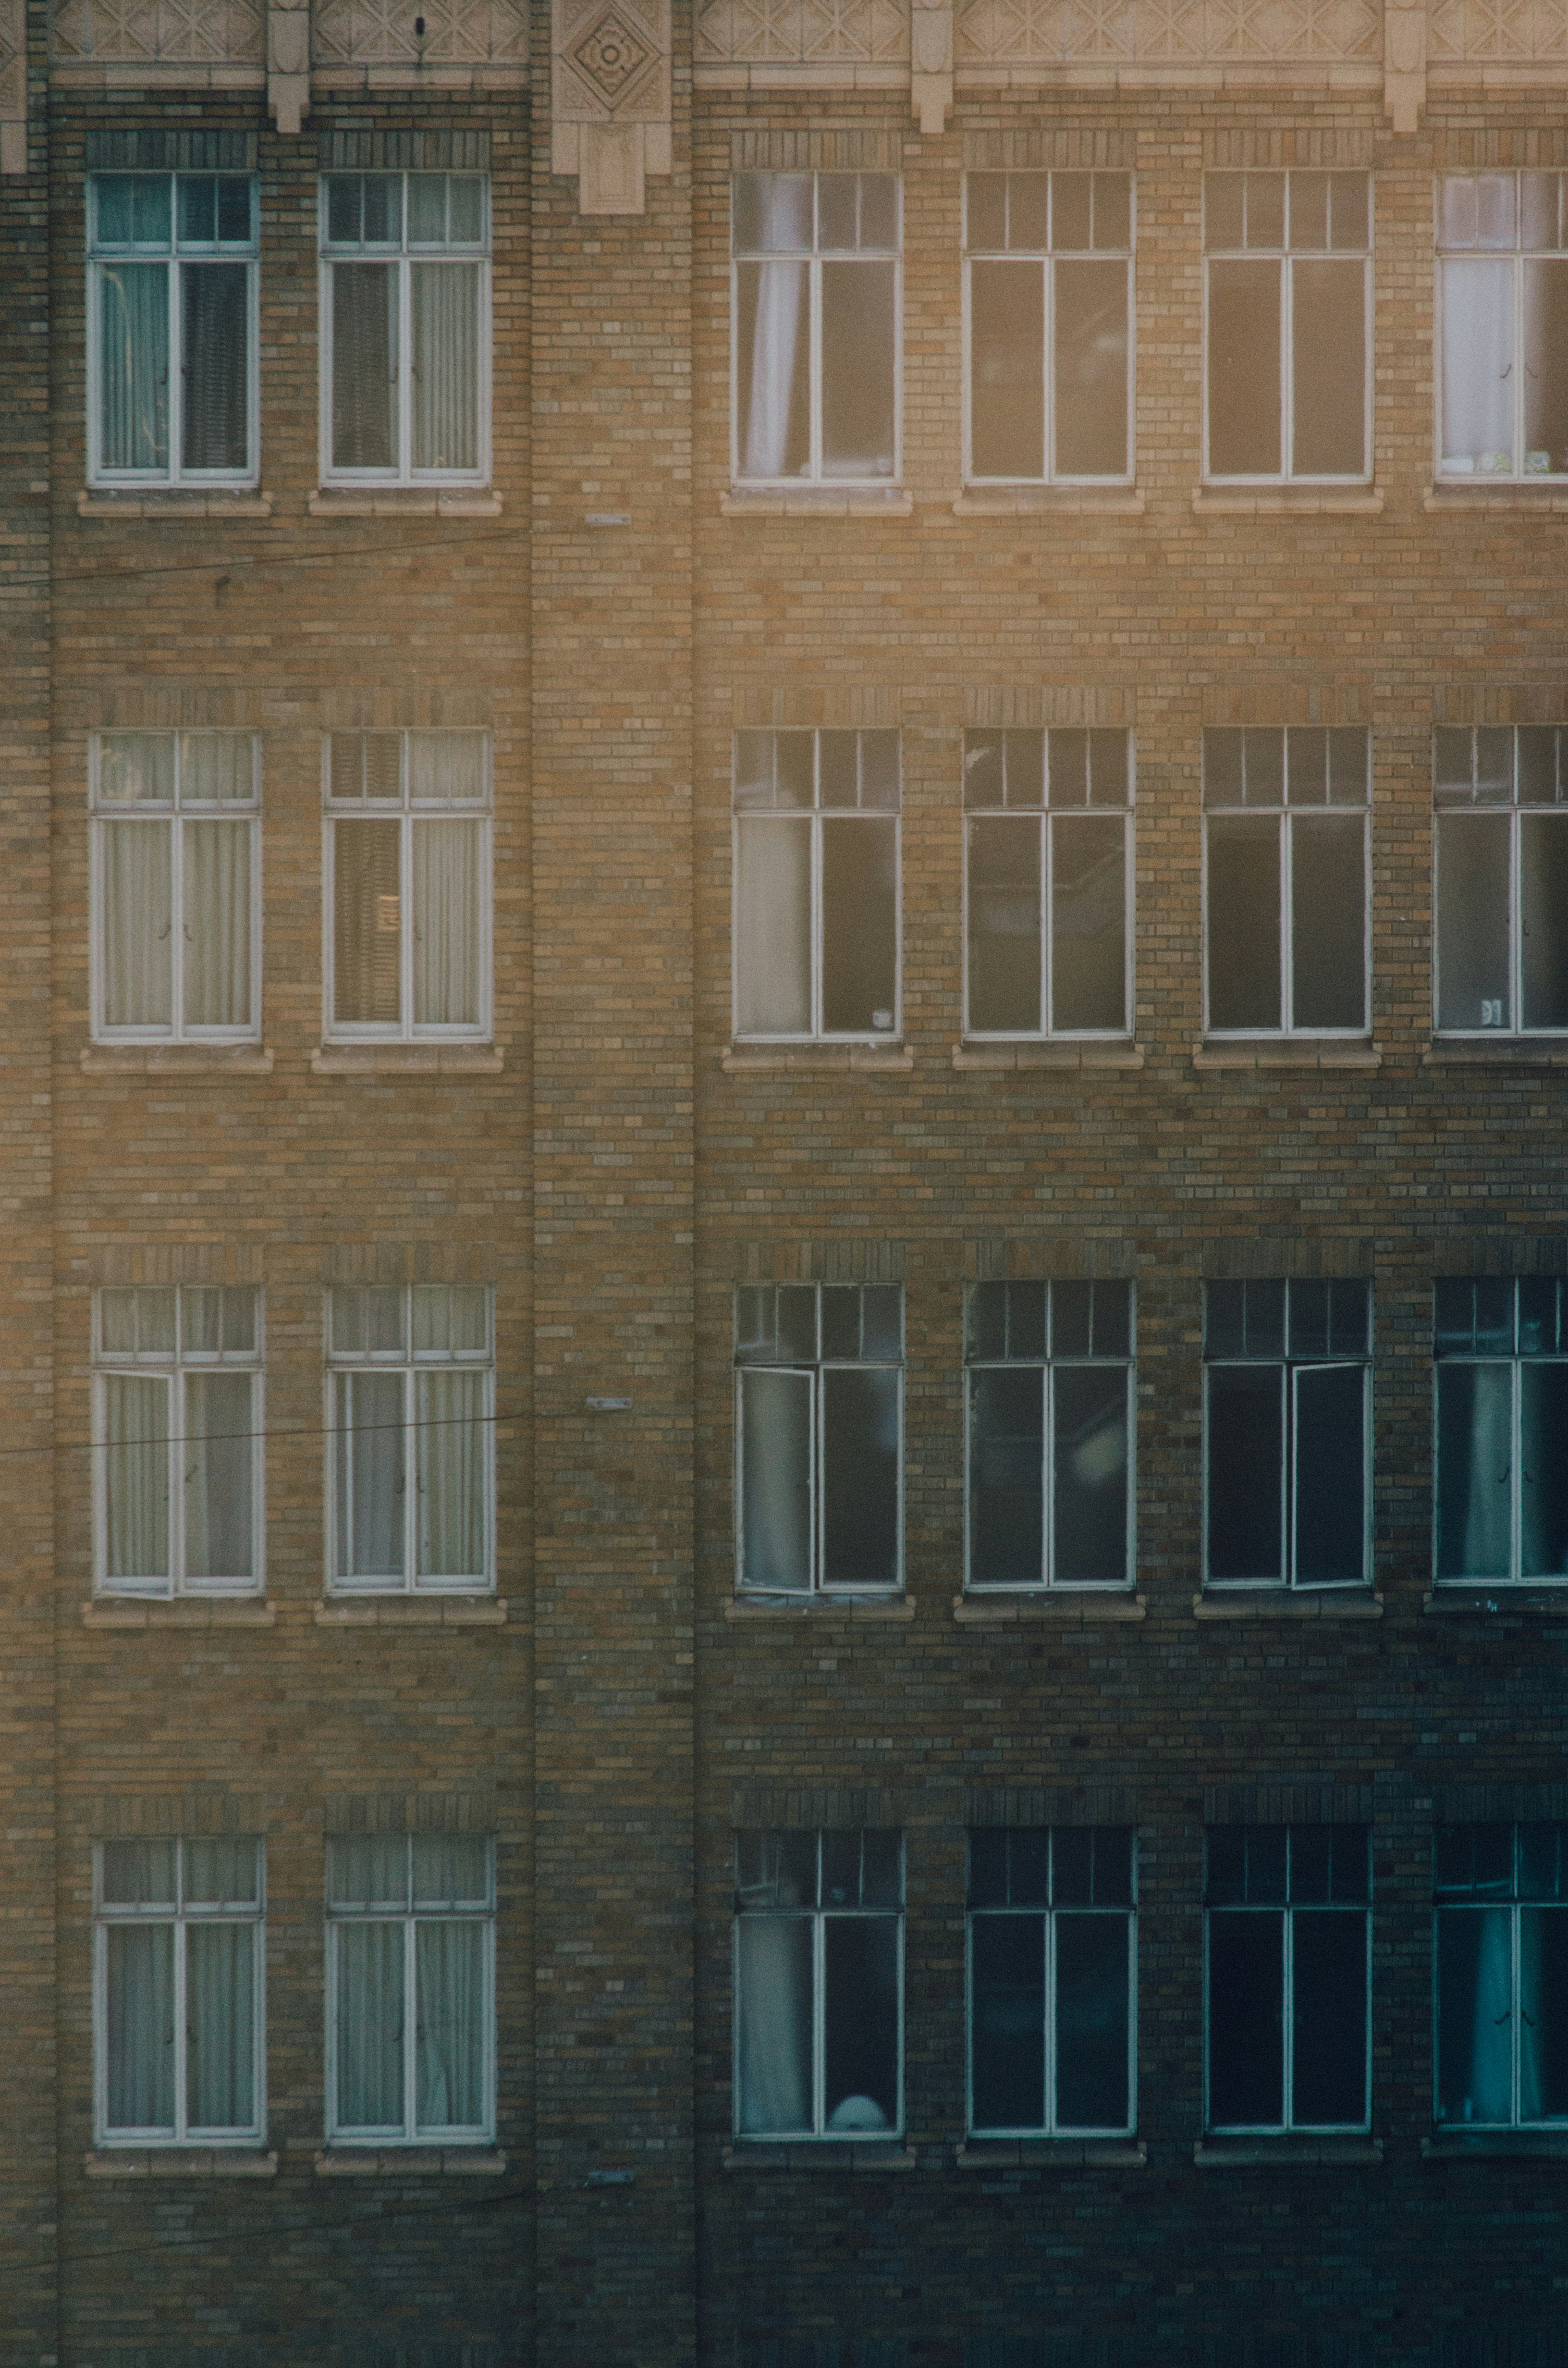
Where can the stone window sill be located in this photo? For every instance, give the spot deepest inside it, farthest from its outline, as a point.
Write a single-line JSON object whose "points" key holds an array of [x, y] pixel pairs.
{"points": [[1042, 501], [1268, 501], [174, 502], [1454, 2145], [410, 2162], [735, 1060], [859, 501], [412, 1611], [177, 1060], [1495, 1052], [819, 2154], [1467, 1602], [1286, 1052], [819, 1607], [1283, 1603], [1050, 2154], [178, 1612], [1495, 494], [1287, 2151], [1075, 1611], [181, 2162], [395, 1060], [1095, 1054], [405, 501]]}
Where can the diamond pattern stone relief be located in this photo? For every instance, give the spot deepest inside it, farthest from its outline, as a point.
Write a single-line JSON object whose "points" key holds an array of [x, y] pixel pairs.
{"points": [[457, 33], [148, 32], [1028, 32], [1499, 30], [784, 32]]}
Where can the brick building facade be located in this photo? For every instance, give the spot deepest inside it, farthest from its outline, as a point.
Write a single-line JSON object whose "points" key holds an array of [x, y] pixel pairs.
{"points": [[457, 1056]]}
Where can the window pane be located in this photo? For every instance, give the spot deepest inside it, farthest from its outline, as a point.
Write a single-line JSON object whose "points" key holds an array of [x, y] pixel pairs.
{"points": [[1088, 922], [1006, 385], [1544, 2014], [1473, 921], [368, 1869], [773, 2013], [1546, 367], [217, 367], [364, 366], [772, 370], [1330, 1474], [370, 1481], [138, 920], [1091, 2022], [1474, 2015], [220, 1973], [1329, 363], [1244, 921], [448, 1974], [366, 924], [1245, 2020], [1091, 369], [1328, 921], [772, 211], [1006, 1483], [1007, 2022], [1544, 1470], [444, 332], [141, 2026], [1477, 360], [860, 2023], [776, 1492], [859, 926], [859, 1477], [219, 1459], [133, 329], [1543, 919], [450, 1464], [1474, 1466], [1003, 925], [1245, 1471], [139, 1874], [217, 924], [448, 866], [369, 2020], [773, 927], [1089, 1510], [136, 1477], [1329, 2042], [221, 1873], [858, 330], [1243, 370]]}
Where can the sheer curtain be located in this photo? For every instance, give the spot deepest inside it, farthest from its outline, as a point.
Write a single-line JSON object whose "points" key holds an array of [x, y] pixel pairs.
{"points": [[217, 924], [364, 366], [447, 868], [138, 909], [450, 1463], [773, 927], [449, 2040], [1486, 1538], [776, 1445], [369, 2026], [141, 2026], [1489, 2090], [370, 1478], [446, 365], [219, 1461], [776, 2022], [1478, 365], [136, 1477], [134, 361], [220, 1981], [774, 433], [217, 389]]}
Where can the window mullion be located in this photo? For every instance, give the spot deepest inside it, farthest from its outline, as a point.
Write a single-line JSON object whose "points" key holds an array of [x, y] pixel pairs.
{"points": [[1287, 920], [1046, 919], [405, 923], [181, 2031], [813, 310], [1287, 369], [410, 1478], [175, 407], [1288, 2018], [1048, 2102], [404, 365], [819, 2015], [410, 2027]]}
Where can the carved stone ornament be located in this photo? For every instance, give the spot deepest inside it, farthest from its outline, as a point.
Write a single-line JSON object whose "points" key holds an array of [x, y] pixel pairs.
{"points": [[931, 62], [1404, 64], [13, 87], [610, 90]]}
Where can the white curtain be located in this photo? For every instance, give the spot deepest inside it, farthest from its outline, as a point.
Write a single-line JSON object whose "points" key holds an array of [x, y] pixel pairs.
{"points": [[141, 2018], [1541, 2011], [1489, 2089], [1478, 365], [450, 2041], [371, 1477], [450, 1448], [220, 1982], [134, 341], [445, 298], [217, 1460], [217, 769], [138, 908], [447, 868], [369, 2026], [776, 1448], [775, 1975], [1486, 1522], [446, 768], [217, 924], [778, 327], [368, 1869], [136, 1477], [451, 1870], [773, 927]]}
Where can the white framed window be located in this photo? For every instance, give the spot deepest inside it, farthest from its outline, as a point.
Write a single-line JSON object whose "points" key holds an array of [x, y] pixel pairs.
{"points": [[1501, 856], [1501, 1910], [1288, 1935], [1048, 292], [816, 918], [819, 1985], [1288, 291], [406, 884], [1501, 1350], [171, 312], [1050, 1410], [819, 1436], [176, 898], [1501, 325], [1286, 1373], [1287, 906], [405, 328], [178, 1977], [178, 1422], [816, 306], [1052, 1981], [411, 1438], [1047, 882], [410, 1988]]}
